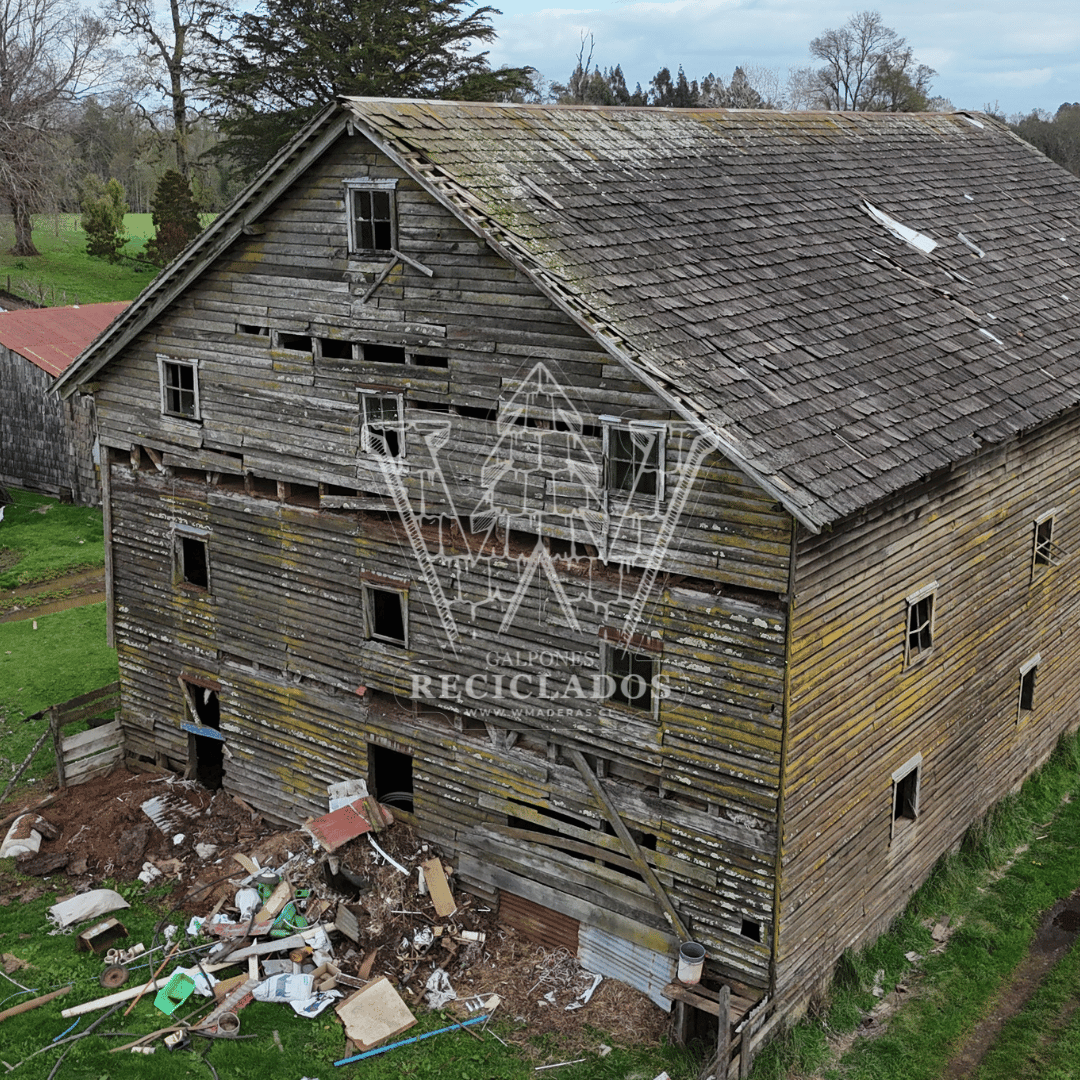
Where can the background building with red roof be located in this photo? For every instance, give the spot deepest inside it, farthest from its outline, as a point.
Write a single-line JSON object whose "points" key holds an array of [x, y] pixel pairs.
{"points": [[48, 445]]}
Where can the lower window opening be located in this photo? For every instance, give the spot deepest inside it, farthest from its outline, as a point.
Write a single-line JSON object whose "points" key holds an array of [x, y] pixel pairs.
{"points": [[751, 930], [206, 755], [391, 776]]}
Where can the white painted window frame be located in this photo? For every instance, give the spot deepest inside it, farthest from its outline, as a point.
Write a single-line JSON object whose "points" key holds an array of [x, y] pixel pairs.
{"points": [[367, 183], [913, 764], [910, 601], [611, 423], [185, 362]]}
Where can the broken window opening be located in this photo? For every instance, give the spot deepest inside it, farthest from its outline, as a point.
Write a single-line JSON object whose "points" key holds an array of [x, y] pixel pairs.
{"points": [[179, 388], [383, 354], [390, 776], [919, 639], [293, 342], [1028, 673], [431, 361], [633, 457], [335, 348], [381, 431], [751, 929], [905, 795], [429, 406], [254, 329], [386, 614], [192, 561], [631, 675], [371, 215], [1045, 552], [474, 412]]}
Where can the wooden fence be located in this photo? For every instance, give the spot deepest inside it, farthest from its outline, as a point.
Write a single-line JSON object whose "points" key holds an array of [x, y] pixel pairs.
{"points": [[90, 753]]}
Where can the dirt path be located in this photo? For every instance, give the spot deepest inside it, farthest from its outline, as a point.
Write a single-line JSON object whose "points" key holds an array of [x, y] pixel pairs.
{"points": [[87, 586], [1056, 935]]}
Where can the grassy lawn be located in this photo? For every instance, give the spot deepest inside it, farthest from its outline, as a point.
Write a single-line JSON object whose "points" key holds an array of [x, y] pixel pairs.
{"points": [[64, 273], [952, 991], [42, 539]]}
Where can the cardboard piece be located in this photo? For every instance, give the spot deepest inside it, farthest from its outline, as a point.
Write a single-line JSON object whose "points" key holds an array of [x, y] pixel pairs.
{"points": [[374, 1014], [439, 887]]}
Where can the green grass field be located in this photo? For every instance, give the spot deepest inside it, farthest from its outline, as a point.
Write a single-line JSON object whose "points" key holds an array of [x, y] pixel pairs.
{"points": [[41, 539], [64, 274]]}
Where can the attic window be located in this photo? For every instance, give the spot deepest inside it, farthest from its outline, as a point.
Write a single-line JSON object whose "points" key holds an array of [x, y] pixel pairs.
{"points": [[179, 388], [371, 215], [916, 239], [634, 458]]}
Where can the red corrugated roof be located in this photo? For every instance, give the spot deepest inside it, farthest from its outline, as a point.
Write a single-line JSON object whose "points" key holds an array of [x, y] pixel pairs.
{"points": [[51, 338]]}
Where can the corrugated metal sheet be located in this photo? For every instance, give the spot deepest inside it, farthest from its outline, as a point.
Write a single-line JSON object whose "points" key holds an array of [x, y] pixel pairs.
{"points": [[616, 958], [51, 338], [538, 923]]}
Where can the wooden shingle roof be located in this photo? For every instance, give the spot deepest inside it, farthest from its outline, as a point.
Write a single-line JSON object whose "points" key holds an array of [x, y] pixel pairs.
{"points": [[753, 266]]}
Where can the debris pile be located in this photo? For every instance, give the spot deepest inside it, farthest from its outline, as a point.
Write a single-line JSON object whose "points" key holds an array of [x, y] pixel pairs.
{"points": [[352, 913]]}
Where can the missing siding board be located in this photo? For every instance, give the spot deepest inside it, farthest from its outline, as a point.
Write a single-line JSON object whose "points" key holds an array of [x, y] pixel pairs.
{"points": [[253, 329], [335, 349], [295, 342], [750, 929], [383, 354], [424, 360], [905, 793]]}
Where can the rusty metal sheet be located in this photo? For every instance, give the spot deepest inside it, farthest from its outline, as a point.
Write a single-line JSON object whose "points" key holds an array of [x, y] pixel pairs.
{"points": [[347, 822]]}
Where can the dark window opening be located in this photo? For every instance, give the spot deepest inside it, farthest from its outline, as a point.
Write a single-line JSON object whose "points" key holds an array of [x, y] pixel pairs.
{"points": [[593, 431], [541, 423], [466, 723], [920, 634], [253, 328], [373, 219], [751, 930], [296, 342], [261, 486], [431, 361], [230, 481], [197, 476], [632, 678], [633, 461], [906, 796], [335, 349], [382, 425], [339, 489], [390, 776], [476, 413], [1044, 545], [303, 495], [194, 565], [384, 354], [180, 390], [1027, 689], [429, 406], [386, 614]]}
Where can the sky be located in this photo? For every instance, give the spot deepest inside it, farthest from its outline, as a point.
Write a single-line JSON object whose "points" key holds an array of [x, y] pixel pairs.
{"points": [[1017, 56]]}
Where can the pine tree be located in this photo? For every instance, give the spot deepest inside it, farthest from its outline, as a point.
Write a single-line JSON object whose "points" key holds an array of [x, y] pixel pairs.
{"points": [[176, 218], [103, 210]]}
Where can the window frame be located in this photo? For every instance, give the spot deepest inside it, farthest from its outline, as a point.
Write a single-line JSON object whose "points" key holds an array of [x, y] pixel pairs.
{"points": [[912, 765], [401, 590], [182, 531], [660, 428], [635, 649], [911, 604], [1045, 549], [368, 394], [360, 184], [1029, 670], [165, 362]]}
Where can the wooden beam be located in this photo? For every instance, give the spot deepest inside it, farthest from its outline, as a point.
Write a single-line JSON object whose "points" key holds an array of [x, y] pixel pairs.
{"points": [[723, 1033], [643, 868]]}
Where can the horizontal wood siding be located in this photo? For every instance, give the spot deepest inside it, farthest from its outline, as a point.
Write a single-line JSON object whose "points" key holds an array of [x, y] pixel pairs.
{"points": [[858, 713], [306, 694]]}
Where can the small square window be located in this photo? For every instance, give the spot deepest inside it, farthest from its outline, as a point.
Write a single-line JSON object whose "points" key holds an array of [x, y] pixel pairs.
{"points": [[1028, 672], [905, 792], [382, 431], [371, 215], [634, 458], [179, 388], [191, 566], [386, 614], [632, 675], [293, 342], [919, 639]]}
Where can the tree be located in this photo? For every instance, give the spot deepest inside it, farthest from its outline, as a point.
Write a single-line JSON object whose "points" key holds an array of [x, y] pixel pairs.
{"points": [[50, 51], [1057, 136], [865, 65], [278, 66], [677, 94], [175, 216], [103, 210], [172, 50], [740, 93]]}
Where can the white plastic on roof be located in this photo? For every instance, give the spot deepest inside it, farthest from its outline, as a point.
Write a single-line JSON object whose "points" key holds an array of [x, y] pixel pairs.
{"points": [[970, 244], [916, 239]]}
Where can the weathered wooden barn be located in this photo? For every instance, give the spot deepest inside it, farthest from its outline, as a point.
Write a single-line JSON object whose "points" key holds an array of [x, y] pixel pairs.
{"points": [[46, 444], [671, 513]]}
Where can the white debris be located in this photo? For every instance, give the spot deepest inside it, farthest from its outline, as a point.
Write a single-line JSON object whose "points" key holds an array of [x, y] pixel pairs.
{"points": [[148, 873], [439, 990]]}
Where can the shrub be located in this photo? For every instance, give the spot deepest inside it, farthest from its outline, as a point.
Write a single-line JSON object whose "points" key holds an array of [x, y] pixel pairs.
{"points": [[103, 210]]}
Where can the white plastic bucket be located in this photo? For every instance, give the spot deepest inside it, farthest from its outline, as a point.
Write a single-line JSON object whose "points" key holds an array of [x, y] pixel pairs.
{"points": [[691, 960]]}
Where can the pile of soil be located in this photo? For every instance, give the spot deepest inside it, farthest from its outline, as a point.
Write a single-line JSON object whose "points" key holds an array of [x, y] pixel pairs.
{"points": [[106, 834]]}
